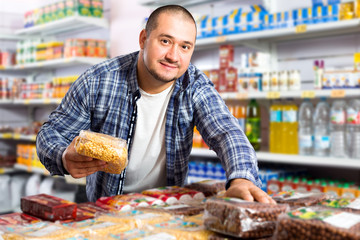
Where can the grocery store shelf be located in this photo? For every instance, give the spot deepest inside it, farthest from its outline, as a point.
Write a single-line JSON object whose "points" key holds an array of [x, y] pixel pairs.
{"points": [[64, 25], [284, 34], [32, 169], [11, 37], [47, 101], [291, 159], [328, 93], [17, 136], [4, 170], [56, 63]]}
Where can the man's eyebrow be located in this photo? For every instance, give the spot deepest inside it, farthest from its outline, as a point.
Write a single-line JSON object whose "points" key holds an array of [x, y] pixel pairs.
{"points": [[171, 37]]}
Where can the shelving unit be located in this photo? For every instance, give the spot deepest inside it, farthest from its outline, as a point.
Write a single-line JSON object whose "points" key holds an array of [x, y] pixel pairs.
{"points": [[16, 136], [290, 159], [32, 169]]}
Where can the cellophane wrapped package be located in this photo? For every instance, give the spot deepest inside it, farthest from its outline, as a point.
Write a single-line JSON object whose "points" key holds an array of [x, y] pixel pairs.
{"points": [[180, 209], [209, 187], [17, 219], [316, 222], [351, 205], [297, 199], [137, 234], [239, 218], [174, 194], [104, 147], [48, 207]]}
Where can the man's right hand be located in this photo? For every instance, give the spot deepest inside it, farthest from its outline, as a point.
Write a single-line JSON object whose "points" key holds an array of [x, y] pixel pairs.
{"points": [[79, 166]]}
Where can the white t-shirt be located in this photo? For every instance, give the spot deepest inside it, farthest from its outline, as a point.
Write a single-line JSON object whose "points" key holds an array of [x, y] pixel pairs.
{"points": [[146, 168]]}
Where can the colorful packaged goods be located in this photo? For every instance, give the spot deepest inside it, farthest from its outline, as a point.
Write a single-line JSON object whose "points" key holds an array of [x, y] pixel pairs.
{"points": [[128, 201], [296, 199], [239, 218], [101, 49], [344, 204], [139, 234], [84, 7], [17, 219], [97, 8], [48, 207], [176, 209], [208, 187], [317, 222], [174, 194]]}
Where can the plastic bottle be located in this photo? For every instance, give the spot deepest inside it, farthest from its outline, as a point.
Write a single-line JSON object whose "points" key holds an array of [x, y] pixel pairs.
{"points": [[289, 128], [275, 128], [240, 114], [306, 128], [337, 129], [253, 129], [321, 129], [353, 128]]}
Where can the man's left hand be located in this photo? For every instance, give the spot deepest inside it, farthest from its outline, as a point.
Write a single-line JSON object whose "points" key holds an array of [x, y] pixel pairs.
{"points": [[245, 189]]}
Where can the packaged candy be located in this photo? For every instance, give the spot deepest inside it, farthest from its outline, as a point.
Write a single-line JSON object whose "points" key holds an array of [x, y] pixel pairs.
{"points": [[174, 194]]}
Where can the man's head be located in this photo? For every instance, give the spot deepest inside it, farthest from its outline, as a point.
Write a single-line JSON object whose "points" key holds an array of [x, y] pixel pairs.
{"points": [[166, 44]]}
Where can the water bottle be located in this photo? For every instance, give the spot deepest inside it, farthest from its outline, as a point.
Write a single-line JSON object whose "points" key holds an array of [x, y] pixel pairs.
{"points": [[252, 124], [321, 129], [337, 129], [305, 132], [353, 128]]}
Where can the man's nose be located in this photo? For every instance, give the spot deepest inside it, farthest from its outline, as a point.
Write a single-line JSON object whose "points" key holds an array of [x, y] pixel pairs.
{"points": [[172, 54]]}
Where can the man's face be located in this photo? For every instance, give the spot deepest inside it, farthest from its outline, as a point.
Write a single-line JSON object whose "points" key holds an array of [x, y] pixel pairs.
{"points": [[168, 49]]}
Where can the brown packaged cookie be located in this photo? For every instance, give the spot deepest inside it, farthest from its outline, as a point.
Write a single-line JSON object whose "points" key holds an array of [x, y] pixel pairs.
{"points": [[103, 147], [209, 187], [297, 199]]}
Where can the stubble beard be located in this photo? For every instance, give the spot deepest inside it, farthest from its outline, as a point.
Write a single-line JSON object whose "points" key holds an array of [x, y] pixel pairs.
{"points": [[157, 76]]}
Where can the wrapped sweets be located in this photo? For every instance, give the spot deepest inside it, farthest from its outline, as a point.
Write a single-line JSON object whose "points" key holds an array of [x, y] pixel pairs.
{"points": [[239, 218], [104, 147], [316, 222], [174, 194], [209, 187], [48, 207], [17, 219], [135, 218], [176, 209], [297, 199], [351, 205], [128, 201], [37, 231]]}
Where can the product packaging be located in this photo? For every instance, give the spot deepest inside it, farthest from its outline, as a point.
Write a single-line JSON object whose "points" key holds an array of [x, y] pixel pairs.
{"points": [[297, 199], [174, 194], [208, 187]]}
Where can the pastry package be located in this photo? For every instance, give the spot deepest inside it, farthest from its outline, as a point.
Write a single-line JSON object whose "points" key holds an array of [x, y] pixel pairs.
{"points": [[104, 147], [351, 205], [316, 222], [297, 199], [97, 227], [239, 218], [48, 207], [128, 201], [137, 234], [174, 194], [182, 229], [209, 187], [135, 218], [17, 219], [180, 209], [37, 231]]}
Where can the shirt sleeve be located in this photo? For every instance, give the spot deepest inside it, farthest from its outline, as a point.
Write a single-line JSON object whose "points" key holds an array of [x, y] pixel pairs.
{"points": [[63, 126], [222, 133]]}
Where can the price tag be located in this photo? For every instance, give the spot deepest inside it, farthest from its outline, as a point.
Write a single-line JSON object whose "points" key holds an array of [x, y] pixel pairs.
{"points": [[16, 136], [2, 67], [67, 60], [58, 100], [301, 28], [338, 93], [7, 135], [33, 138], [22, 66], [27, 101], [29, 168], [273, 95], [307, 94], [220, 39], [40, 64], [46, 101], [2, 170], [243, 95]]}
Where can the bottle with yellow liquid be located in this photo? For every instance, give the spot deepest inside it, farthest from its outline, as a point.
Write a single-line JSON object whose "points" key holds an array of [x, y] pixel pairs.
{"points": [[289, 143], [275, 127]]}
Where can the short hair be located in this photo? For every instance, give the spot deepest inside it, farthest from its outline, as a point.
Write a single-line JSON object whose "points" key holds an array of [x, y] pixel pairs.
{"points": [[152, 22]]}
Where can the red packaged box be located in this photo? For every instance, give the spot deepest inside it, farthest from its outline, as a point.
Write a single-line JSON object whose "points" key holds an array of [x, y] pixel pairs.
{"points": [[231, 79], [17, 219], [48, 207], [214, 76], [226, 56]]}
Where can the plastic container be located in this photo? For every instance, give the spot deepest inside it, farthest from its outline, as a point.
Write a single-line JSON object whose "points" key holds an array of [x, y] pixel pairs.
{"points": [[353, 128], [337, 129], [306, 128], [275, 141], [321, 129], [240, 114], [253, 129], [289, 128]]}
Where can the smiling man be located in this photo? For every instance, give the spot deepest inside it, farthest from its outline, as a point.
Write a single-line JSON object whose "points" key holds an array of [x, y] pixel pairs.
{"points": [[152, 98]]}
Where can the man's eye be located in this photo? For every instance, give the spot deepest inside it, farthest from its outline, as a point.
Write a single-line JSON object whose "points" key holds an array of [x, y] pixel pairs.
{"points": [[165, 41], [185, 47]]}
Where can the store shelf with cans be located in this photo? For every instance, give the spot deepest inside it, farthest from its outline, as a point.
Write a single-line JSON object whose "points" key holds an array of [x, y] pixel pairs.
{"points": [[328, 93], [290, 159]]}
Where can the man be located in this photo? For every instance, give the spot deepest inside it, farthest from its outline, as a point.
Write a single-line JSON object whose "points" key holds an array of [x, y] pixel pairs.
{"points": [[152, 98]]}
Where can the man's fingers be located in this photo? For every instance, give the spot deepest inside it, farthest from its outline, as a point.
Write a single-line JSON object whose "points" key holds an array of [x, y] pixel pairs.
{"points": [[261, 196]]}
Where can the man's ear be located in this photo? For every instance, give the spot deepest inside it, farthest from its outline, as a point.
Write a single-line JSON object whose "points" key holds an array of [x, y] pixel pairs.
{"points": [[142, 39]]}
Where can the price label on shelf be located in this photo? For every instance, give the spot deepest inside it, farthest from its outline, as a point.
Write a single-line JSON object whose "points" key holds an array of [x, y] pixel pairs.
{"points": [[2, 170], [16, 136], [243, 95], [301, 28], [33, 138], [2, 67], [58, 100], [7, 135], [220, 39], [338, 93], [40, 64], [46, 101], [27, 101], [307, 94], [273, 95]]}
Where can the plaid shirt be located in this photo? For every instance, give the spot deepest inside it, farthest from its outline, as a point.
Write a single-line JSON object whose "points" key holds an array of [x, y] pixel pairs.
{"points": [[103, 99]]}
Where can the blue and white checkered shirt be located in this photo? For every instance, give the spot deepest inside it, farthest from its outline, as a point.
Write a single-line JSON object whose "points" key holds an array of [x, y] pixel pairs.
{"points": [[103, 100]]}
